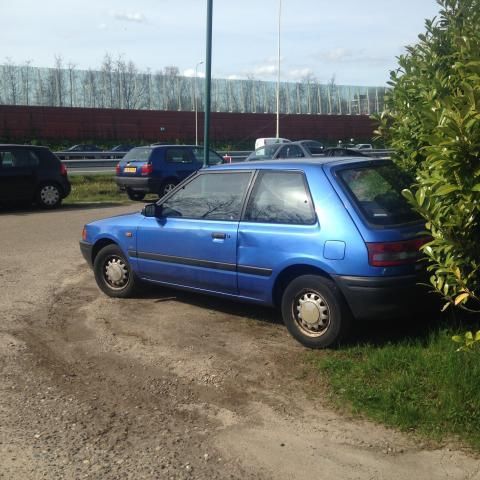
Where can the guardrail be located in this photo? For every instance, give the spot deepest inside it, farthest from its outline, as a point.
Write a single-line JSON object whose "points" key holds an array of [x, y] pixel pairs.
{"points": [[65, 155], [100, 162]]}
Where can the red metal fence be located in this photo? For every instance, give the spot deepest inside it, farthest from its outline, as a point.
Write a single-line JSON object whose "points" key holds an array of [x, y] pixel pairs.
{"points": [[24, 123]]}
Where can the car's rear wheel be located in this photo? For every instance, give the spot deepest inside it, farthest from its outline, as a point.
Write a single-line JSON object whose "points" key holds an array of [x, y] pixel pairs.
{"points": [[167, 187], [113, 273], [315, 312], [49, 195], [133, 195]]}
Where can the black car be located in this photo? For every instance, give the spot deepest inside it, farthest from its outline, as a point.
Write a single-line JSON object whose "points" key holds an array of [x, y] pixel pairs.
{"points": [[122, 148], [312, 146], [32, 174], [83, 147], [343, 152]]}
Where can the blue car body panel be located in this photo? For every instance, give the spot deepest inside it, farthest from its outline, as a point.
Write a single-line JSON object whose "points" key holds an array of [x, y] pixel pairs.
{"points": [[243, 259]]}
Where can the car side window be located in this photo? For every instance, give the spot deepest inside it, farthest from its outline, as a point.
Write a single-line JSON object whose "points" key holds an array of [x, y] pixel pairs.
{"points": [[291, 151], [209, 196], [7, 160], [280, 197], [213, 157], [178, 155]]}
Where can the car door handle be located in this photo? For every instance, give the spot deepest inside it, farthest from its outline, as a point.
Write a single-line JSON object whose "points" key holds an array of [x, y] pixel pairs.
{"points": [[219, 236]]}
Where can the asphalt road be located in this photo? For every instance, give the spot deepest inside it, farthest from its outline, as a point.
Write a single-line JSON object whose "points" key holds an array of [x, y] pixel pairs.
{"points": [[168, 385]]}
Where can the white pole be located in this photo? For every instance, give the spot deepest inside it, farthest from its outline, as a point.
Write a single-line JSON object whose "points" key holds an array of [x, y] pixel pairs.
{"points": [[195, 101], [278, 68]]}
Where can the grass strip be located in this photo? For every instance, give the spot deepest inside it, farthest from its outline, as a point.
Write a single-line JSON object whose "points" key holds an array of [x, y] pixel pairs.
{"points": [[98, 188], [416, 384]]}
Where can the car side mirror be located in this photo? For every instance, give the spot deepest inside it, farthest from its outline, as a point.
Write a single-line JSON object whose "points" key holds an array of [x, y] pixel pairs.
{"points": [[152, 210]]}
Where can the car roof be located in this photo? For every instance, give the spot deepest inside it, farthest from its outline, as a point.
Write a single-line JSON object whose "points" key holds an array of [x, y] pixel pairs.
{"points": [[298, 164]]}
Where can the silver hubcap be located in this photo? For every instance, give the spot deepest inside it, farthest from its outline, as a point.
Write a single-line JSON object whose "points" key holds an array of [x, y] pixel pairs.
{"points": [[168, 187], [49, 195], [116, 272], [312, 314]]}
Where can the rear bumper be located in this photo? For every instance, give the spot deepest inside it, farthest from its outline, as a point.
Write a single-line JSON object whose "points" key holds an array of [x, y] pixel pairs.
{"points": [[66, 187], [139, 184], [383, 297], [86, 249]]}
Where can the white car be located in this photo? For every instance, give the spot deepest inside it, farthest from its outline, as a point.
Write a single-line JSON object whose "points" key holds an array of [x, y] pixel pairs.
{"points": [[261, 142]]}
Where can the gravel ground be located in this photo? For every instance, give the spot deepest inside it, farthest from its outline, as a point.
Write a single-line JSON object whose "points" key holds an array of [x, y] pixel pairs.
{"points": [[168, 385]]}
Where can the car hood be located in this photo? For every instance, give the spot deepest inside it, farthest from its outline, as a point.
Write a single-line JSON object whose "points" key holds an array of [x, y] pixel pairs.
{"points": [[123, 219]]}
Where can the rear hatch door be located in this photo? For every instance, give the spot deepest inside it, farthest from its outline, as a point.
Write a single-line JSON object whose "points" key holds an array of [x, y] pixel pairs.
{"points": [[131, 164]]}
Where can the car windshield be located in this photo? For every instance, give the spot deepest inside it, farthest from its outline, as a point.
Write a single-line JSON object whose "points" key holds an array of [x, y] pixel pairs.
{"points": [[139, 154], [377, 191]]}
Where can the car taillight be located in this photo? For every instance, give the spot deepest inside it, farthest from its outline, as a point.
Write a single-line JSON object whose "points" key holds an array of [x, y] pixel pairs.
{"points": [[84, 234], [390, 254], [117, 169], [63, 169], [147, 169]]}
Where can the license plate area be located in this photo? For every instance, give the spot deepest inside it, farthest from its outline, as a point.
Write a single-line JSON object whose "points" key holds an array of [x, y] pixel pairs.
{"points": [[130, 169]]}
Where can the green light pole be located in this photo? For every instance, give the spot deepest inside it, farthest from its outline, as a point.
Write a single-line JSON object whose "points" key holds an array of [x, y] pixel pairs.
{"points": [[208, 81]]}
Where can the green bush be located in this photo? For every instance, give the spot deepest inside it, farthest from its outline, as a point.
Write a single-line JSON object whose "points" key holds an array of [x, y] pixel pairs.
{"points": [[432, 121]]}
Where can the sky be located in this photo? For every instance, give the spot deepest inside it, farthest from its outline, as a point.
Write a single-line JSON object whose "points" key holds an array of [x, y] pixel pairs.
{"points": [[356, 42]]}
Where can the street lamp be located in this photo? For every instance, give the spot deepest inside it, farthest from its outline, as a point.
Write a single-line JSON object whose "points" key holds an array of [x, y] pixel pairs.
{"points": [[278, 69], [208, 82], [195, 101]]}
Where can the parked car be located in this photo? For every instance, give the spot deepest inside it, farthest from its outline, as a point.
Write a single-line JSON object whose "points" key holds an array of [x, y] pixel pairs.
{"points": [[277, 150], [261, 142], [325, 240], [312, 146], [159, 168], [343, 152], [122, 148], [83, 147], [32, 174]]}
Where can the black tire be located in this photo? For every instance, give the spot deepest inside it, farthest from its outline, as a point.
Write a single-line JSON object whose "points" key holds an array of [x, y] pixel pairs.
{"points": [[49, 195], [167, 186], [137, 196], [122, 282], [327, 316]]}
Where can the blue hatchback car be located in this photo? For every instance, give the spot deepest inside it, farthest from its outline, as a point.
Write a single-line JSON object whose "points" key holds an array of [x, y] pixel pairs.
{"points": [[326, 240]]}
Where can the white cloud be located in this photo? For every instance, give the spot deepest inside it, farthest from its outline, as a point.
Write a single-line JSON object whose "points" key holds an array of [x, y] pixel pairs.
{"points": [[337, 55], [264, 70], [190, 72], [299, 73], [137, 17], [102, 26]]}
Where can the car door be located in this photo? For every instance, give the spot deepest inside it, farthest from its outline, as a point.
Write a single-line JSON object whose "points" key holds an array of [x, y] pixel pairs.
{"points": [[193, 242], [279, 225], [179, 162], [17, 174]]}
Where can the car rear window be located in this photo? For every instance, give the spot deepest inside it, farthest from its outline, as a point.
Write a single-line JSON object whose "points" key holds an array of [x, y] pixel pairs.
{"points": [[138, 155], [377, 192]]}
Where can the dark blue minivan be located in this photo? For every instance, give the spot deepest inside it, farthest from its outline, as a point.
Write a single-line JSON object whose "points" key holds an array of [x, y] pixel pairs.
{"points": [[325, 240], [159, 168]]}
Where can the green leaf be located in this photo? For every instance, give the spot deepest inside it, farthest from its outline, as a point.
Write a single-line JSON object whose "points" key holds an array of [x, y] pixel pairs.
{"points": [[446, 189]]}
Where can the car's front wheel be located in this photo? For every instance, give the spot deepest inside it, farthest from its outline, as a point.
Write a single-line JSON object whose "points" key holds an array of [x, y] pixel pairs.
{"points": [[113, 273], [49, 195], [315, 312]]}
